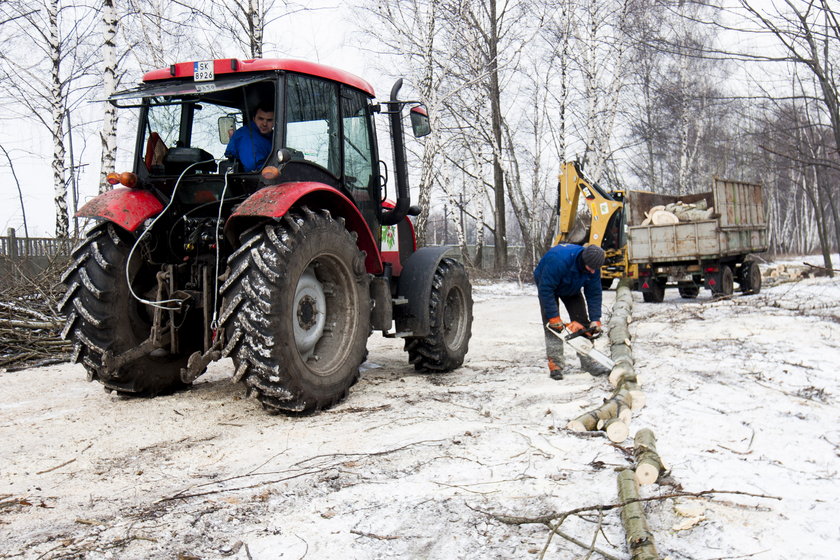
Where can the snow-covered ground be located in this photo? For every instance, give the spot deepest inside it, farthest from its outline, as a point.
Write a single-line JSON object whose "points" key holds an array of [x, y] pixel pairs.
{"points": [[741, 394]]}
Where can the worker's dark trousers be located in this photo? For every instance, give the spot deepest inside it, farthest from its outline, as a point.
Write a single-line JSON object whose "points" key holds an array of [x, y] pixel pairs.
{"points": [[576, 307]]}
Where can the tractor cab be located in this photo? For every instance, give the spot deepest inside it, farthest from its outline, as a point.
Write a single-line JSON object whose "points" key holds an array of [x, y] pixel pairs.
{"points": [[198, 140]]}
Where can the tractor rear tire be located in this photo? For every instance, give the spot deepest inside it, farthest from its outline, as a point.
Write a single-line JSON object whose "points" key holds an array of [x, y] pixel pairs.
{"points": [[103, 316], [450, 321], [296, 312]]}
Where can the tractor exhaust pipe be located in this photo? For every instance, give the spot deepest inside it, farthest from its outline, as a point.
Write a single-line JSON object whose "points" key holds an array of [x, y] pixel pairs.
{"points": [[395, 215]]}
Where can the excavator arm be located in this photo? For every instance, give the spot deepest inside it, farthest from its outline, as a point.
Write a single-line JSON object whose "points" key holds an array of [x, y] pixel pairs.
{"points": [[602, 205], [606, 221]]}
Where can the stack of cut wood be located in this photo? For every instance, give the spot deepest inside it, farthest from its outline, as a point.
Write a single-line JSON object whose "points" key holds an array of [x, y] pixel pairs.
{"points": [[678, 212], [30, 325], [788, 272]]}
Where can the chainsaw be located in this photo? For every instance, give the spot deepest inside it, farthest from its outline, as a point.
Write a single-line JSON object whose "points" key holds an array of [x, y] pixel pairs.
{"points": [[582, 343]]}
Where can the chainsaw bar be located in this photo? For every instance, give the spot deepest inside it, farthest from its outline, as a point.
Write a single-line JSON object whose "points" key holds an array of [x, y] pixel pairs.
{"points": [[584, 347]]}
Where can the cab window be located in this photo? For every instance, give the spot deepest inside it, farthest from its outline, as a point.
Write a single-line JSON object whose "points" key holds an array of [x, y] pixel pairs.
{"points": [[312, 126]]}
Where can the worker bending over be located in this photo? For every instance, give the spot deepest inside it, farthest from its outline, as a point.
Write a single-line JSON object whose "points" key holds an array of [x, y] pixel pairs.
{"points": [[561, 274]]}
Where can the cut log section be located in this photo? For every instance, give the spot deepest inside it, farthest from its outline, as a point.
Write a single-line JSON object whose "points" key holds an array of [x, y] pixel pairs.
{"points": [[612, 417], [649, 464], [623, 377], [636, 531], [616, 429]]}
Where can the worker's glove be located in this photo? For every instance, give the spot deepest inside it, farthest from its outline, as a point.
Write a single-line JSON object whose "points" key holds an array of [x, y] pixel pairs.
{"points": [[574, 327], [595, 329], [556, 324]]}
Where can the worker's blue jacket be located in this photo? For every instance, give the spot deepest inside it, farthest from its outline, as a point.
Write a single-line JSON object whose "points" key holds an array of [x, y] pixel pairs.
{"points": [[250, 147], [561, 273]]}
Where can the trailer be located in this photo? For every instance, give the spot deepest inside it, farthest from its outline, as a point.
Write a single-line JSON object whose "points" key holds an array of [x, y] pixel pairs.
{"points": [[712, 246], [713, 253]]}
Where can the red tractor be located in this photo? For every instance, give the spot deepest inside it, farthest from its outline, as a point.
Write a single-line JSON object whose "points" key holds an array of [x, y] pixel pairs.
{"points": [[285, 255]]}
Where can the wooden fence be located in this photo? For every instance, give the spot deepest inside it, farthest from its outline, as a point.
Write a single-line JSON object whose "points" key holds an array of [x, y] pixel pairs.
{"points": [[30, 255]]}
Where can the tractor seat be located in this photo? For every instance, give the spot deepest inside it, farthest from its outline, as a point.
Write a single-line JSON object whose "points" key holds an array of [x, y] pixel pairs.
{"points": [[178, 159]]}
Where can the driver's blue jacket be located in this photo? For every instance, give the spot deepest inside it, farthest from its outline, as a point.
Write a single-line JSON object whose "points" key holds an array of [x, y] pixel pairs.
{"points": [[250, 147]]}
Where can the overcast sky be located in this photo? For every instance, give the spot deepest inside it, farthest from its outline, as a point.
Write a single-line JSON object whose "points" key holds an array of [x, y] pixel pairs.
{"points": [[321, 35], [324, 34]]}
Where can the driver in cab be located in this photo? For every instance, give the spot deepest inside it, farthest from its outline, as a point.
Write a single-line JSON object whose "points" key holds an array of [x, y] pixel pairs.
{"points": [[251, 144]]}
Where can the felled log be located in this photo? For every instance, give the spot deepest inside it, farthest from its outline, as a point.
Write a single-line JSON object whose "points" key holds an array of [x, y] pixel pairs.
{"points": [[630, 384], [621, 354], [616, 429], [636, 531], [612, 417], [648, 462]]}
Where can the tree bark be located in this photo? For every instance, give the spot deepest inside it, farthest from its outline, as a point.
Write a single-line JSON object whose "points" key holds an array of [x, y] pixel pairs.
{"points": [[108, 134], [648, 463], [62, 219], [636, 531], [494, 90]]}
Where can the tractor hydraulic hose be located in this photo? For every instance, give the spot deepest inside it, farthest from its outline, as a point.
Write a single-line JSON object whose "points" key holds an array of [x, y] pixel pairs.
{"points": [[400, 210]]}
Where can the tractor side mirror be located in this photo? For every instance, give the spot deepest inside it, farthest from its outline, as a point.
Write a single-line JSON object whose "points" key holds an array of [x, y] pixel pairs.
{"points": [[227, 126], [420, 121]]}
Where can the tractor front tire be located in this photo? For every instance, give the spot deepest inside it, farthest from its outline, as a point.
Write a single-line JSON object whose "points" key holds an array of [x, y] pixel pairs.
{"points": [[103, 316], [296, 312], [450, 321]]}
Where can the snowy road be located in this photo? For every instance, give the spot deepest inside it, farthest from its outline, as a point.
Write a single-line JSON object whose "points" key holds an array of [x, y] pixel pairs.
{"points": [[742, 395]]}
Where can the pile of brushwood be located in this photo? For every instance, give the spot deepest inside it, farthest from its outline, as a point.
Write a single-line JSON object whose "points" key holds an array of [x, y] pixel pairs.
{"points": [[30, 324]]}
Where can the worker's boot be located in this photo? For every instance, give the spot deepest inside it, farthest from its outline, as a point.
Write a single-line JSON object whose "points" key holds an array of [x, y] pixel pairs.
{"points": [[556, 369], [593, 367]]}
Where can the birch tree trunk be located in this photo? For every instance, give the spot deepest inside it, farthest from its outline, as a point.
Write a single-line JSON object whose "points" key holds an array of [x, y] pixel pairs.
{"points": [[500, 259], [108, 134], [62, 219], [254, 16]]}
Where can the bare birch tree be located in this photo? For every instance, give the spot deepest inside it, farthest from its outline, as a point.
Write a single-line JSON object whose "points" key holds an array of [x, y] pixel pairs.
{"points": [[110, 81], [46, 87], [411, 29]]}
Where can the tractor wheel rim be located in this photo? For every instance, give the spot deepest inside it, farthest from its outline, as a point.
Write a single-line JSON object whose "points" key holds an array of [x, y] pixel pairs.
{"points": [[454, 324], [310, 306]]}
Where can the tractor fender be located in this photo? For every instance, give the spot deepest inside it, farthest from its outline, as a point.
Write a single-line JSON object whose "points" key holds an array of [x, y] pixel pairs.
{"points": [[415, 285], [275, 201], [127, 208]]}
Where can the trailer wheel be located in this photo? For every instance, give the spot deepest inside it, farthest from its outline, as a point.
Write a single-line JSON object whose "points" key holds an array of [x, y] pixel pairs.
{"points": [[450, 321], [656, 293], [726, 283], [750, 277], [103, 317], [296, 312], [689, 292]]}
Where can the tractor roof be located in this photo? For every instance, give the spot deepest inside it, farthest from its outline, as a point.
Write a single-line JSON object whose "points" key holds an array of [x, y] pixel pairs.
{"points": [[230, 67]]}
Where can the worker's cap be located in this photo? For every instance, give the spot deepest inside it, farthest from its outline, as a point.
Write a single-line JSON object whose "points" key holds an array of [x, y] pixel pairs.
{"points": [[593, 256]]}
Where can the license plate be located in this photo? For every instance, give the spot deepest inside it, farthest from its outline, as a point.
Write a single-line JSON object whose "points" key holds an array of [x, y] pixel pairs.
{"points": [[203, 71]]}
